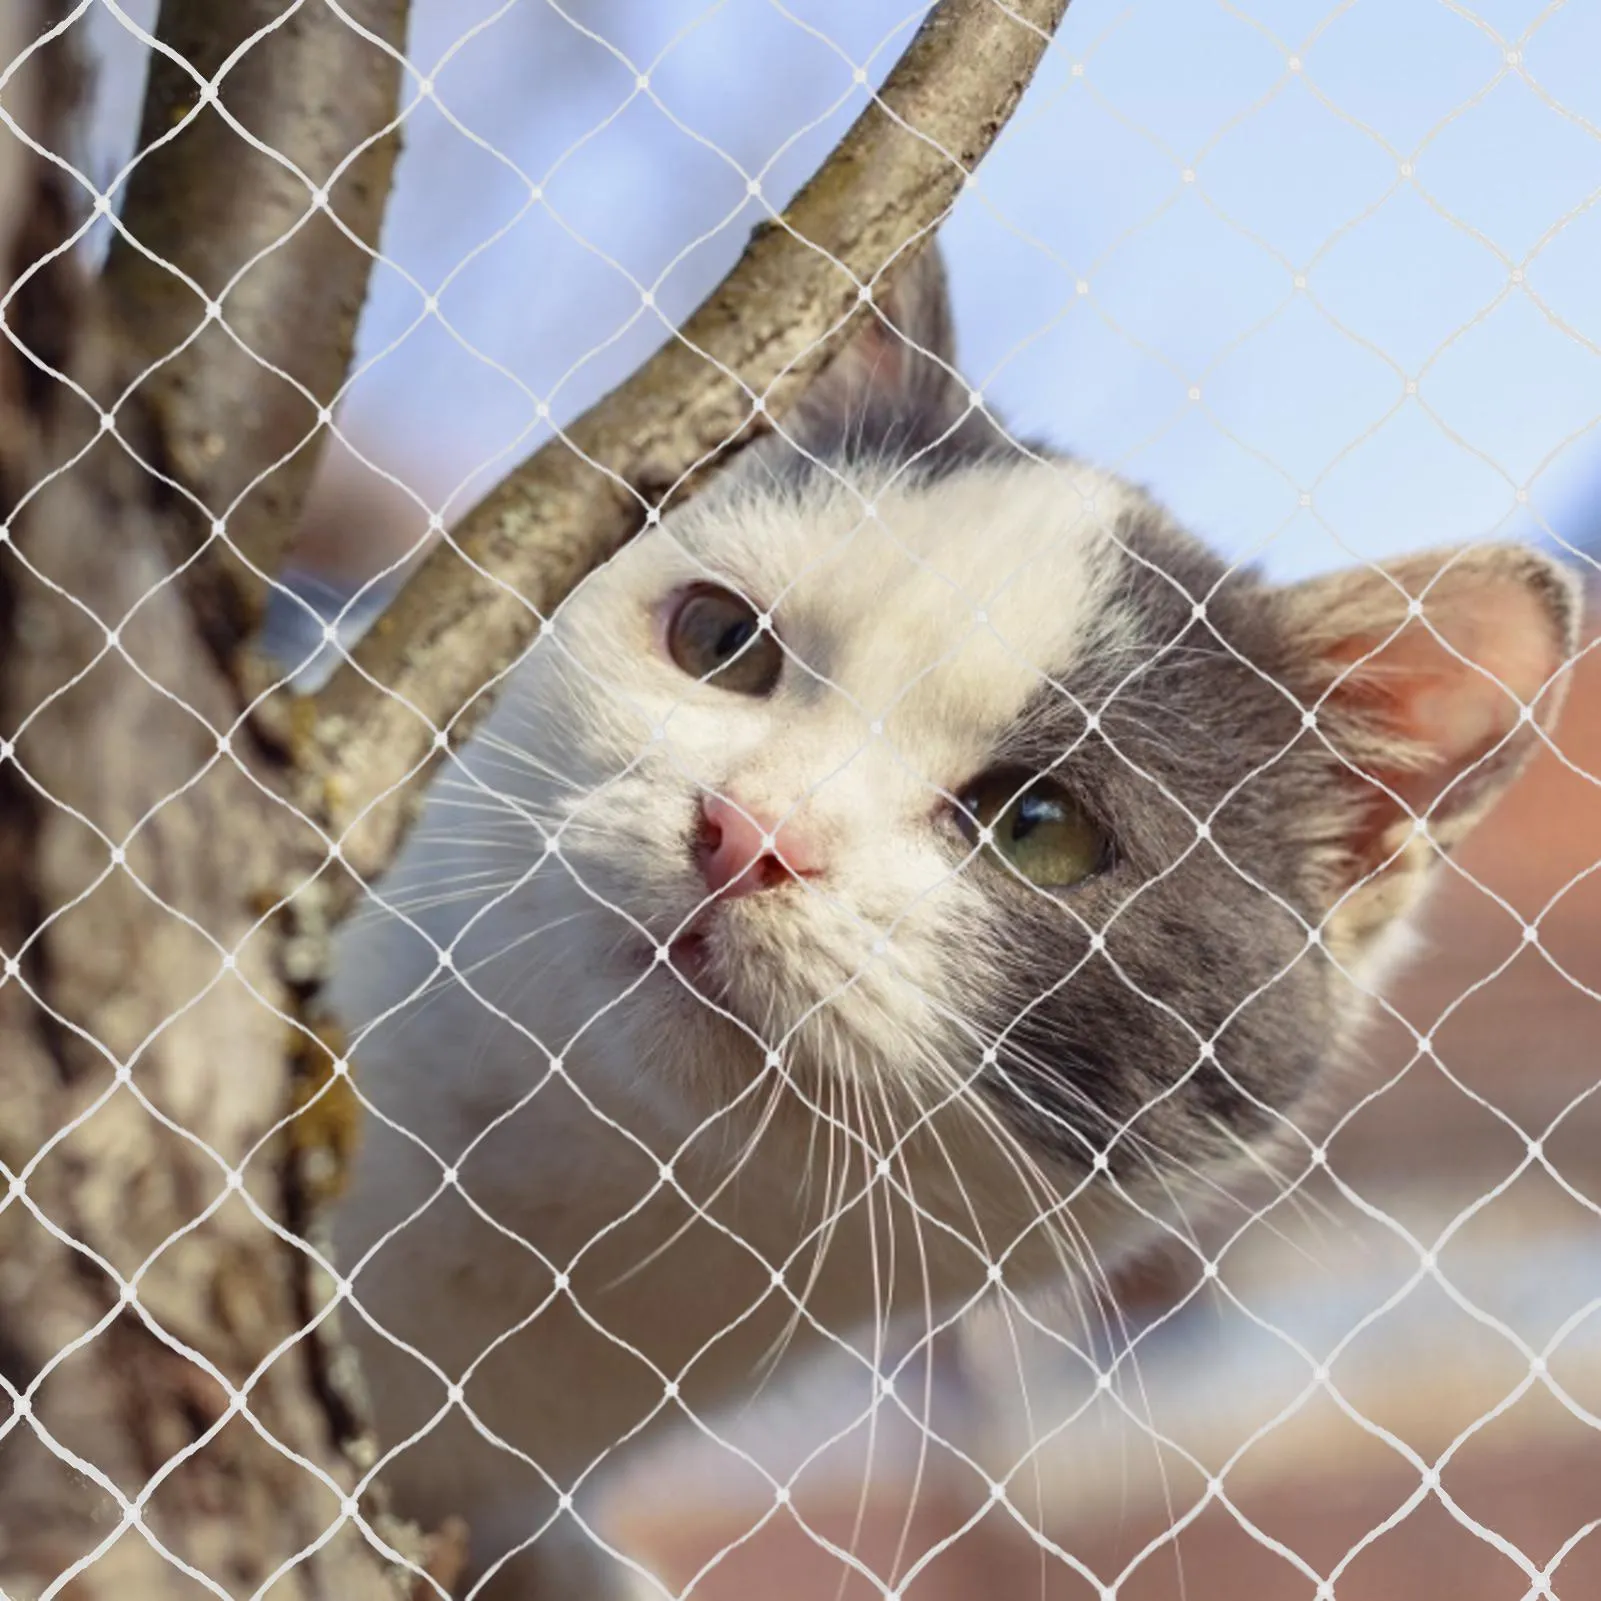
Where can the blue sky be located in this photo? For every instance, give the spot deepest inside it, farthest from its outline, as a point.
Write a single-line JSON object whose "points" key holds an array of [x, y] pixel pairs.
{"points": [[1214, 249]]}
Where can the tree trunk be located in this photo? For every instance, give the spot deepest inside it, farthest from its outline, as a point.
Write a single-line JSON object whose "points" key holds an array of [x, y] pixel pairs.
{"points": [[173, 1424]]}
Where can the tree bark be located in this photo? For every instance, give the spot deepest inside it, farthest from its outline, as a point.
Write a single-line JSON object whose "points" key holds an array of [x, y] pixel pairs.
{"points": [[175, 1417], [169, 1421], [268, 143]]}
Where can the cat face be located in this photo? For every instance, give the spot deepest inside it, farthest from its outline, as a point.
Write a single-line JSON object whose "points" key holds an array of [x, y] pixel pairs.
{"points": [[910, 760]]}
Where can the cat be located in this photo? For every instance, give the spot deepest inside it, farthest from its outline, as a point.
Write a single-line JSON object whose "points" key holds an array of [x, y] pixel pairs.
{"points": [[916, 837]]}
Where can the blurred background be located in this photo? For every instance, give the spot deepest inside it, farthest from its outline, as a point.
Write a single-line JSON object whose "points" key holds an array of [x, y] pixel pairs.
{"points": [[1327, 279]]}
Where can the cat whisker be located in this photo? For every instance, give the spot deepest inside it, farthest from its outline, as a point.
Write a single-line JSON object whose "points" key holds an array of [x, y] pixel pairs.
{"points": [[883, 1291], [821, 1238], [1048, 1206], [1071, 1238], [442, 981], [705, 1205], [1292, 1191], [1003, 1301], [520, 758], [926, 1344], [457, 795], [988, 1255], [1053, 1209], [445, 891], [1143, 1146]]}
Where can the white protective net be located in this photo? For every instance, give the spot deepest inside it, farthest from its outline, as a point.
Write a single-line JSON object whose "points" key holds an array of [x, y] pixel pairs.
{"points": [[1323, 278]]}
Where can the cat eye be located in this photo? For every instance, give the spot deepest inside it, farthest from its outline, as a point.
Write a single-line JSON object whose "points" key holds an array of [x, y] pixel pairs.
{"points": [[1036, 828], [717, 636]]}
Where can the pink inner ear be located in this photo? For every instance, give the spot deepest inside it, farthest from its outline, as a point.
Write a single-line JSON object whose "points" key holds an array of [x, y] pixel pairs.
{"points": [[1449, 692]]}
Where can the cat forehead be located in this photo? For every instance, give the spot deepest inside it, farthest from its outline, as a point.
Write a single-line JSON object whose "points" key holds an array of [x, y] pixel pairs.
{"points": [[975, 585]]}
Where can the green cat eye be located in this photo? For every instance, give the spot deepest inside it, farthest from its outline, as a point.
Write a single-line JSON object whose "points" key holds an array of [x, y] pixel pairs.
{"points": [[717, 636], [1036, 828]]}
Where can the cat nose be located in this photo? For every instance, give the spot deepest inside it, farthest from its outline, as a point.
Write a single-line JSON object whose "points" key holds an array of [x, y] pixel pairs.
{"points": [[740, 851]]}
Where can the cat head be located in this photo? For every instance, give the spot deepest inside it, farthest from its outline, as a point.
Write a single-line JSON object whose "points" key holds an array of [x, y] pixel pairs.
{"points": [[925, 768]]}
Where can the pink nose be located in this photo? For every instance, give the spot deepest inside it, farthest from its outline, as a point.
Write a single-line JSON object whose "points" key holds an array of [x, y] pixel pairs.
{"points": [[740, 851]]}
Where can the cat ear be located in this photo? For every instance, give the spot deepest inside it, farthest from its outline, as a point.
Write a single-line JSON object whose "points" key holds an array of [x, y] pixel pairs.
{"points": [[1430, 678], [896, 374]]}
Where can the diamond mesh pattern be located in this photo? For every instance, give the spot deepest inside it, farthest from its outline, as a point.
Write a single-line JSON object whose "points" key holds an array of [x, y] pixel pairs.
{"points": [[1408, 1300]]}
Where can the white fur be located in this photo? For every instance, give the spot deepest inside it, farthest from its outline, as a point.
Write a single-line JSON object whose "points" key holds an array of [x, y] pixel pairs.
{"points": [[917, 633]]}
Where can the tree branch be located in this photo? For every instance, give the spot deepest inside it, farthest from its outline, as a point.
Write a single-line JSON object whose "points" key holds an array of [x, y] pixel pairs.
{"points": [[772, 324], [268, 201]]}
